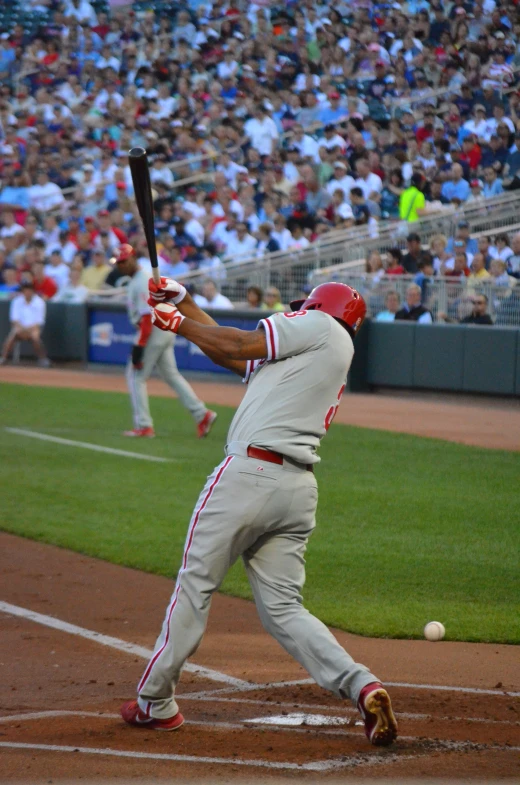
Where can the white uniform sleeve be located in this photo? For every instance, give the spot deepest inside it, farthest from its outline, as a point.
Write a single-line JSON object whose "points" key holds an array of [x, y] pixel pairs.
{"points": [[289, 334]]}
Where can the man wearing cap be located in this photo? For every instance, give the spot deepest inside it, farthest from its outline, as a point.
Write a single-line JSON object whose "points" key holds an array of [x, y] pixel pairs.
{"points": [[152, 348], [334, 112], [479, 125], [340, 179], [463, 233], [27, 317]]}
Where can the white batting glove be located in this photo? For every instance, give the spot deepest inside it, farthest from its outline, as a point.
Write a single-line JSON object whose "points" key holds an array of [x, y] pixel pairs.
{"points": [[169, 291], [167, 317]]}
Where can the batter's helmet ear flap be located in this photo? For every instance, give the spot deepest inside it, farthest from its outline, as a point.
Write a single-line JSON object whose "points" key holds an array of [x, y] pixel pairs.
{"points": [[296, 304]]}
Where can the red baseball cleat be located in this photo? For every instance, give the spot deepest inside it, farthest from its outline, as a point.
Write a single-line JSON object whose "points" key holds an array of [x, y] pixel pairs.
{"points": [[132, 714], [376, 709], [148, 433], [205, 425]]}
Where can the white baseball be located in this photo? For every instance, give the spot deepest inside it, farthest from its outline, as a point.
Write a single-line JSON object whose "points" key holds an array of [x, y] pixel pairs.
{"points": [[434, 631]]}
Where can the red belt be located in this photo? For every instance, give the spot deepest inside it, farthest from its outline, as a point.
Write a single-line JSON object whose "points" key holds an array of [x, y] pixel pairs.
{"points": [[270, 456]]}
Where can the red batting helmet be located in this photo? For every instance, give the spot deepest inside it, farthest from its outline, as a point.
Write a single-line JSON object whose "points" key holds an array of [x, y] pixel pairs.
{"points": [[338, 300], [124, 252]]}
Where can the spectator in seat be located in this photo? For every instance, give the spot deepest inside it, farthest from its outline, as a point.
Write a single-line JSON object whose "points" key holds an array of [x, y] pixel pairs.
{"points": [[255, 297], [513, 261], [394, 262], [503, 250], [456, 187], [241, 245], [8, 283], [391, 307], [44, 195], [413, 311], [57, 270], [499, 276], [273, 299], [492, 183], [43, 285], [94, 276], [412, 201], [266, 242], [281, 233], [463, 233], [460, 265], [425, 275], [479, 314], [73, 292], [27, 317], [211, 297], [478, 269], [411, 259]]}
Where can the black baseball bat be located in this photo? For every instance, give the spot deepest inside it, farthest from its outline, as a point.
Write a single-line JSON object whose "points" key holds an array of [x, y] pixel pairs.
{"points": [[143, 197]]}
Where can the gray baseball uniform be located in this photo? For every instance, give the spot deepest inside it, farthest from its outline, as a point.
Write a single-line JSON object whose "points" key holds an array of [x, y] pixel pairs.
{"points": [[158, 352], [264, 512]]}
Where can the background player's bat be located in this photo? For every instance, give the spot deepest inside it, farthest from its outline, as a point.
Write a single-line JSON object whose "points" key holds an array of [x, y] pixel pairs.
{"points": [[143, 197]]}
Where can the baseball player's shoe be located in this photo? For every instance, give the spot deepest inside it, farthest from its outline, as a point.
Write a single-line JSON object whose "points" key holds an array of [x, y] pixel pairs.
{"points": [[375, 707], [205, 425], [132, 714], [146, 432]]}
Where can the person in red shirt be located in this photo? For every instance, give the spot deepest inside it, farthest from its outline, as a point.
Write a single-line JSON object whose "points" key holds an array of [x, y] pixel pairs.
{"points": [[471, 152], [43, 285], [104, 225], [460, 266], [394, 264]]}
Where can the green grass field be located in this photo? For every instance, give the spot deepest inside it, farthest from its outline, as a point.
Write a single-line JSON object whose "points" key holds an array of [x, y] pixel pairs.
{"points": [[409, 529]]}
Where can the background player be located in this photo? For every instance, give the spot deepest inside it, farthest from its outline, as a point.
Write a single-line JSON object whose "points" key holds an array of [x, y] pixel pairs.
{"points": [[260, 502], [153, 347]]}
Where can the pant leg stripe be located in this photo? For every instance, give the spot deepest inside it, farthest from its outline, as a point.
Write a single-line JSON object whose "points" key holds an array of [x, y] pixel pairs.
{"points": [[184, 562]]}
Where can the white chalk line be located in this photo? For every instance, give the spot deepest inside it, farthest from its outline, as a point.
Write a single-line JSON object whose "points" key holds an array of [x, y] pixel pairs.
{"points": [[267, 723], [265, 764], [44, 437], [236, 685], [112, 643]]}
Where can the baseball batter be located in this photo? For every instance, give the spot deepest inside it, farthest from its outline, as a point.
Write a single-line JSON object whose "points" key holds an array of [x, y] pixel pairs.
{"points": [[153, 347], [260, 502]]}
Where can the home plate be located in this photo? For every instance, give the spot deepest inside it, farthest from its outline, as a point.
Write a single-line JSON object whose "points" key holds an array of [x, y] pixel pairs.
{"points": [[314, 720]]}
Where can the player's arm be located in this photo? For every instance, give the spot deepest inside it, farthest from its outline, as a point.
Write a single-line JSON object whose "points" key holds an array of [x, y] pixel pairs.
{"points": [[225, 343]]}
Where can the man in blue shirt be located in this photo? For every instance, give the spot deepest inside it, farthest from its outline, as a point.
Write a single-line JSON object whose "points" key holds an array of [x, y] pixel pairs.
{"points": [[456, 187], [15, 196], [334, 113], [492, 183]]}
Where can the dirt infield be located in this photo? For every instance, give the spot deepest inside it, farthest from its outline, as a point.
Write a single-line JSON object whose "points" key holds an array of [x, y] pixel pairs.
{"points": [[478, 423], [59, 706]]}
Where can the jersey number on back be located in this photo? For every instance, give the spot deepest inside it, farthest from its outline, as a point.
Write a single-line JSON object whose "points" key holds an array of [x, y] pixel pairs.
{"points": [[333, 409], [292, 314]]}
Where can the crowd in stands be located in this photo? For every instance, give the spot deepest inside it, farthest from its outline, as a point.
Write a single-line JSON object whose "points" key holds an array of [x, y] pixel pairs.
{"points": [[267, 125]]}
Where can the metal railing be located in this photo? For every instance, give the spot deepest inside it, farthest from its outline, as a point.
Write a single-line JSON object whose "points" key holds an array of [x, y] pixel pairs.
{"points": [[449, 299], [344, 252]]}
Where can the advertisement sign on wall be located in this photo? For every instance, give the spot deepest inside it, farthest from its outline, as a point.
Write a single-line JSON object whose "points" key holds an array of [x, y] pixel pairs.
{"points": [[111, 337]]}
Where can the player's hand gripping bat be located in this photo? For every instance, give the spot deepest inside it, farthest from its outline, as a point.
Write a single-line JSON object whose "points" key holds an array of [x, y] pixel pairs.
{"points": [[143, 197]]}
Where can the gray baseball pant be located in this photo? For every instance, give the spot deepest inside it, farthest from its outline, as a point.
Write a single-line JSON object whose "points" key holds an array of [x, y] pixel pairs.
{"points": [[264, 513], [159, 352]]}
